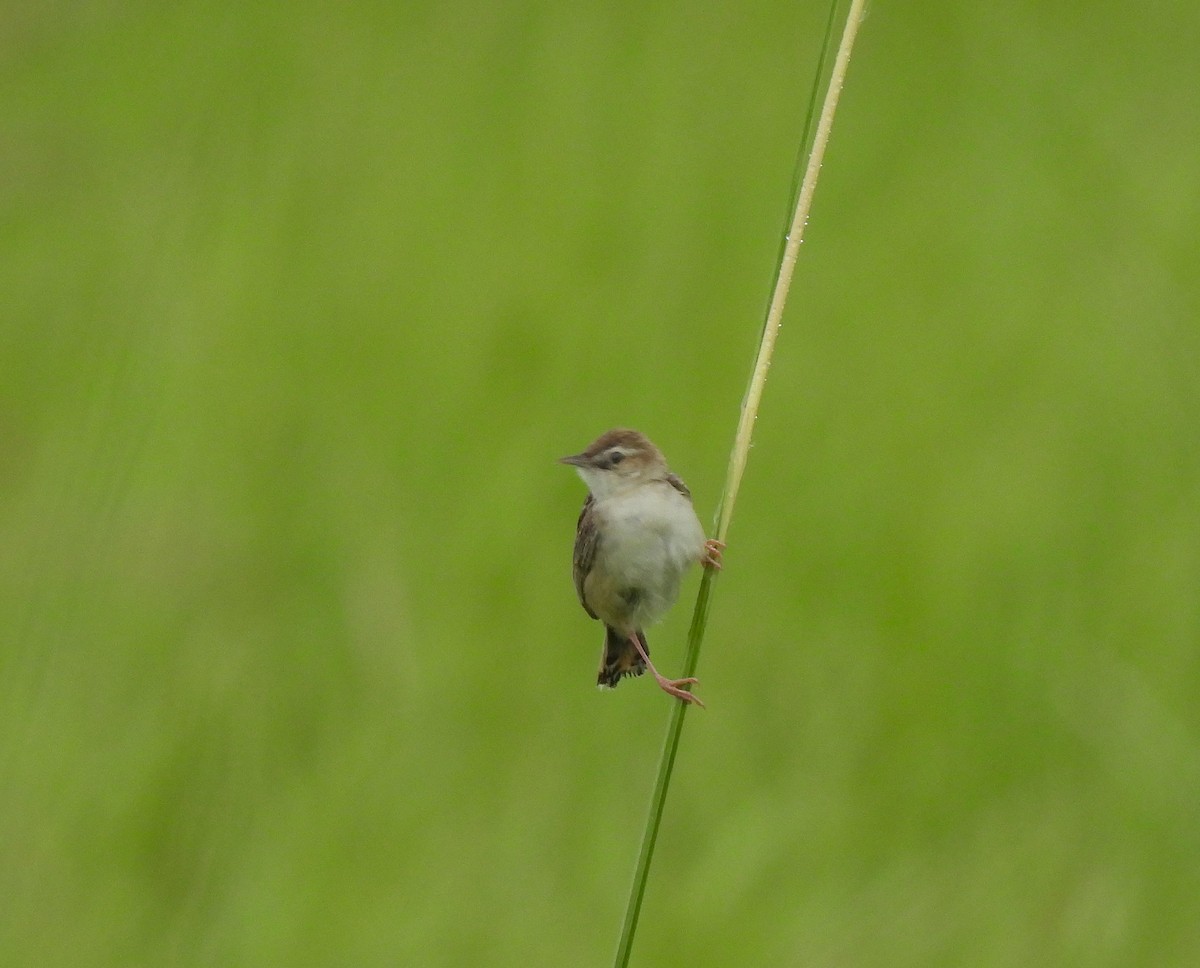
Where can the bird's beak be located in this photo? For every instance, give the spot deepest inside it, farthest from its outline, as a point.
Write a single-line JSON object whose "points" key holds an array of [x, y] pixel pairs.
{"points": [[575, 460]]}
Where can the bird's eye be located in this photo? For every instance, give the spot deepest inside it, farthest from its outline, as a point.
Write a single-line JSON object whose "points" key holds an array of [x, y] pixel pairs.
{"points": [[616, 457]]}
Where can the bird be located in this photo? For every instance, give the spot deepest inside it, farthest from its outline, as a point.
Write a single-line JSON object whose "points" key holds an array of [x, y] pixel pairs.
{"points": [[636, 536]]}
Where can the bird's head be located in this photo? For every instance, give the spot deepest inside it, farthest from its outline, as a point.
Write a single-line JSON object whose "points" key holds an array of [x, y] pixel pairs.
{"points": [[618, 460]]}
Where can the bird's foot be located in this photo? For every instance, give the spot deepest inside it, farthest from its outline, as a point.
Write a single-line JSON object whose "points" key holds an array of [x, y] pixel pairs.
{"points": [[675, 687], [712, 553], [672, 687]]}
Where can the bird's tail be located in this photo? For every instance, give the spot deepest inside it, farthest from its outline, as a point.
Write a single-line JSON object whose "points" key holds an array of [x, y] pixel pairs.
{"points": [[620, 657]]}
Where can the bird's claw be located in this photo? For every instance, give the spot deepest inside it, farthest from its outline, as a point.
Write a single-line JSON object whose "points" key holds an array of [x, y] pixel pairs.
{"points": [[712, 553], [674, 687]]}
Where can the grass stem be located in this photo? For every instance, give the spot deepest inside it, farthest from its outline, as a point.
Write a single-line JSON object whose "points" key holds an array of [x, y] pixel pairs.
{"points": [[737, 467]]}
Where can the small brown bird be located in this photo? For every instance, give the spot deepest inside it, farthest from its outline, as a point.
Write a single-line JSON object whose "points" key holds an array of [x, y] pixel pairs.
{"points": [[637, 534]]}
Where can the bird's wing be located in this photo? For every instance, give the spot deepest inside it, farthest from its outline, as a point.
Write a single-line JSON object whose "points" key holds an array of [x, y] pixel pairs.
{"points": [[587, 540], [675, 482]]}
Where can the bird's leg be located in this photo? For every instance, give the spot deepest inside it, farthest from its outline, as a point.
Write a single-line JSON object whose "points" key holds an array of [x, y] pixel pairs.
{"points": [[712, 553], [672, 687]]}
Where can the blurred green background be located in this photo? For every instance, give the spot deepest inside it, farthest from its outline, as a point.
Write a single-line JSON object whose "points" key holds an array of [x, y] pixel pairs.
{"points": [[302, 301]]}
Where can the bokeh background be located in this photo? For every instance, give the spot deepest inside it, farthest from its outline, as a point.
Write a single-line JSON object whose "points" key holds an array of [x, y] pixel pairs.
{"points": [[302, 301]]}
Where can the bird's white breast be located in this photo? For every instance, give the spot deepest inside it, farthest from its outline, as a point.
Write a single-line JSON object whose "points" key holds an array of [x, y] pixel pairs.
{"points": [[650, 536]]}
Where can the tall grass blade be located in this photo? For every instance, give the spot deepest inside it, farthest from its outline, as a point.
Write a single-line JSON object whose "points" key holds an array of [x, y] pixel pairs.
{"points": [[737, 467]]}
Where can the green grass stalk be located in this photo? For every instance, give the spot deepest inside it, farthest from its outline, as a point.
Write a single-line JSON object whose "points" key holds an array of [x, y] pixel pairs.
{"points": [[737, 467]]}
